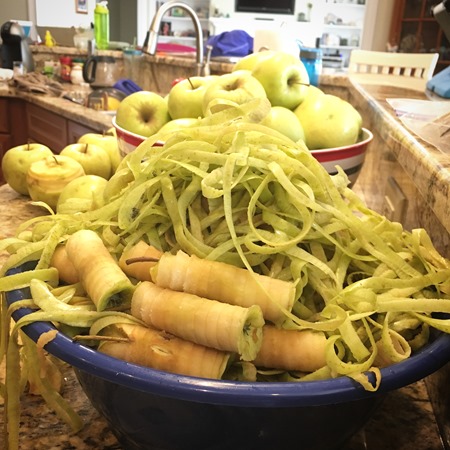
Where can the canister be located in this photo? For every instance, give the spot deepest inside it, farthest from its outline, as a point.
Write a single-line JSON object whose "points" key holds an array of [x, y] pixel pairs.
{"points": [[76, 74], [312, 59], [132, 61], [66, 67]]}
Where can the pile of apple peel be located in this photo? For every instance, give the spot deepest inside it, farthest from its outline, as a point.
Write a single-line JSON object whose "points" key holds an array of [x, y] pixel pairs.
{"points": [[235, 192]]}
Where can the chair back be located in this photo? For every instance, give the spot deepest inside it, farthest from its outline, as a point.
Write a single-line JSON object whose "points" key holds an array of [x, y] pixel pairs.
{"points": [[408, 70]]}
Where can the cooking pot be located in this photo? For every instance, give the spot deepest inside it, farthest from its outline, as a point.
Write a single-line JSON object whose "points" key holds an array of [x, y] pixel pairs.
{"points": [[100, 71]]}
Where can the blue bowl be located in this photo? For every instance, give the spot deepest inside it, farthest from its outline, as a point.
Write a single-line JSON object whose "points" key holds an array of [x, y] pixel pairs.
{"points": [[150, 409]]}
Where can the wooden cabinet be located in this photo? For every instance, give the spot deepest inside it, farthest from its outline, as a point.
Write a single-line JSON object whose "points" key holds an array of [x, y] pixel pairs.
{"points": [[13, 129], [76, 130], [415, 30], [51, 129], [22, 122], [46, 128], [5, 136]]}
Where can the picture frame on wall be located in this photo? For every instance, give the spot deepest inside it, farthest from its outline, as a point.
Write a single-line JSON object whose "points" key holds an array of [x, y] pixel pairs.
{"points": [[81, 6], [165, 29]]}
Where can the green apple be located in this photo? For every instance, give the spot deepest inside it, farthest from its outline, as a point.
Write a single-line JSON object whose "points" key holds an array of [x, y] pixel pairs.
{"points": [[82, 194], [111, 132], [285, 121], [178, 124], [186, 97], [108, 142], [312, 92], [284, 78], [94, 159], [249, 62], [16, 162], [329, 121], [47, 177], [233, 88], [142, 113]]}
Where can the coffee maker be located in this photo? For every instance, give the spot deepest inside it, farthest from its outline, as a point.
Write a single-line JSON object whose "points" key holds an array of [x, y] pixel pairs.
{"points": [[15, 46]]}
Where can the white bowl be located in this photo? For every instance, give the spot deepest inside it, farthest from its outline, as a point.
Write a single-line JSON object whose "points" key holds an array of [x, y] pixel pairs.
{"points": [[350, 157], [127, 140]]}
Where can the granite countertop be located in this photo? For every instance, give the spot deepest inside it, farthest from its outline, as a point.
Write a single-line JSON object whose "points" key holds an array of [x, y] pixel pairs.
{"points": [[406, 415], [59, 105]]}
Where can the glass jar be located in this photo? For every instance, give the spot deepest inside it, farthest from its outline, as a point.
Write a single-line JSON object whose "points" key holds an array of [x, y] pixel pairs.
{"points": [[132, 62], [76, 74]]}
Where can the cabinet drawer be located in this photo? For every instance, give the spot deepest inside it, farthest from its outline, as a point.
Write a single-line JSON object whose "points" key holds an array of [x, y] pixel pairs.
{"points": [[4, 116], [46, 128]]}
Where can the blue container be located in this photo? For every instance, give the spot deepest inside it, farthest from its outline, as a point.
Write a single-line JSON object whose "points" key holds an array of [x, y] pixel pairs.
{"points": [[312, 59]]}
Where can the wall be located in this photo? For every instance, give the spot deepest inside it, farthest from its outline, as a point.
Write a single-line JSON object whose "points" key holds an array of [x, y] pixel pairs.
{"points": [[123, 20], [250, 22], [17, 9], [62, 14], [377, 25]]}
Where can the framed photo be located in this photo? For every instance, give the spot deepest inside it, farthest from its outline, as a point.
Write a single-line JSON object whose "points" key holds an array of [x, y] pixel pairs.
{"points": [[81, 6], [165, 29]]}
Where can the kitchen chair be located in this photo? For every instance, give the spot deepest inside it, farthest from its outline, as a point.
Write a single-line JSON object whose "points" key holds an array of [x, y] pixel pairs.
{"points": [[408, 70]]}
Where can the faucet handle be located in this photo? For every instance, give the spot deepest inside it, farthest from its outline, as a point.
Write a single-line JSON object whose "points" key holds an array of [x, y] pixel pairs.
{"points": [[206, 69]]}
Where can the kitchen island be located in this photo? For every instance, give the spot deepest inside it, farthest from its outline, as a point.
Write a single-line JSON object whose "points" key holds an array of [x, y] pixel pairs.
{"points": [[406, 419]]}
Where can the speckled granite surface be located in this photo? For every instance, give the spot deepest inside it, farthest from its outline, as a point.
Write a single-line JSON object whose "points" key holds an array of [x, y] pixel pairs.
{"points": [[406, 419], [155, 73]]}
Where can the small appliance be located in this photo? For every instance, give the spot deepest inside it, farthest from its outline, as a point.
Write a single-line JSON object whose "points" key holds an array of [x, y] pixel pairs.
{"points": [[15, 46], [100, 71]]}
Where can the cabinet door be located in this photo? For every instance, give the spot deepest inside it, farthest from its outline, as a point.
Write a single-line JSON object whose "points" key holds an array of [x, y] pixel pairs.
{"points": [[18, 121], [5, 137], [4, 116], [415, 30], [76, 130], [46, 128], [5, 144]]}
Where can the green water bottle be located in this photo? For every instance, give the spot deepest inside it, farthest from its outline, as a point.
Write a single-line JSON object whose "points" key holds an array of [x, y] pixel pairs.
{"points": [[101, 25]]}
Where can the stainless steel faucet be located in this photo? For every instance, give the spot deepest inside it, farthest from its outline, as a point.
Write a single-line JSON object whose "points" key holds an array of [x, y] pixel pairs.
{"points": [[151, 39]]}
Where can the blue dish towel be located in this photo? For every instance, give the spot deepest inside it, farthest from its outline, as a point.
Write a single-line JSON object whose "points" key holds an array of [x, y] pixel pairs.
{"points": [[231, 43], [127, 86]]}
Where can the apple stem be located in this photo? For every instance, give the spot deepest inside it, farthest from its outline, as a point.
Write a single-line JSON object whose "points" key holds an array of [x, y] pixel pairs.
{"points": [[299, 82], [190, 82]]}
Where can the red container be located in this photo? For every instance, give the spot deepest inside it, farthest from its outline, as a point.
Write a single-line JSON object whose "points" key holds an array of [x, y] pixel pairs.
{"points": [[66, 67]]}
